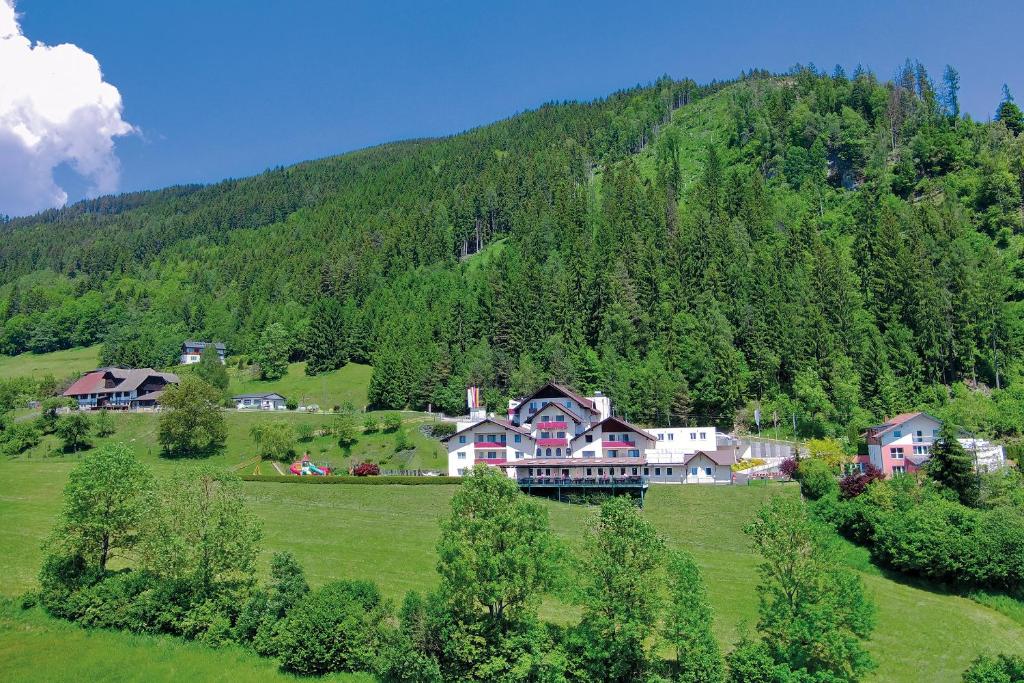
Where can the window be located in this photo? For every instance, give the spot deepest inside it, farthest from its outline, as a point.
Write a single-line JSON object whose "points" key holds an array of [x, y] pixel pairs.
{"points": [[897, 433], [661, 437], [622, 470], [588, 471], [462, 456], [590, 438], [548, 453], [561, 435], [600, 471], [935, 432], [693, 435], [897, 453], [646, 471], [657, 471], [899, 470], [462, 439], [531, 471], [634, 471], [461, 471], [668, 471], [545, 435], [671, 436], [920, 450], [707, 471], [519, 455], [693, 471], [588, 454], [568, 404], [547, 471], [634, 453], [492, 454], [558, 452], [518, 438], [703, 435], [561, 418], [613, 454], [533, 406]]}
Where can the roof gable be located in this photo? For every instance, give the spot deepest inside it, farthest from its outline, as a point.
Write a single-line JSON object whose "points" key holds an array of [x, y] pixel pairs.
{"points": [[622, 425], [504, 424]]}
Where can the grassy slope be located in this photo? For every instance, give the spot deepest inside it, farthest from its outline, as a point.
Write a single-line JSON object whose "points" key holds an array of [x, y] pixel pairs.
{"points": [[345, 385], [388, 534], [60, 364], [34, 647]]}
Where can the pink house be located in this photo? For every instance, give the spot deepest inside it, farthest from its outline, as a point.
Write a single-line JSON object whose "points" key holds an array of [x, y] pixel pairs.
{"points": [[902, 444]]}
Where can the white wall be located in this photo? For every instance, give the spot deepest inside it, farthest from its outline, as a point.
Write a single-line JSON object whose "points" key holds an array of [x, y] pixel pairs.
{"points": [[675, 442]]}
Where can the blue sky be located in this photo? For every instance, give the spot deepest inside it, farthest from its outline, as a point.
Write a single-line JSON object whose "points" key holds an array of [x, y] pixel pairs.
{"points": [[226, 88]]}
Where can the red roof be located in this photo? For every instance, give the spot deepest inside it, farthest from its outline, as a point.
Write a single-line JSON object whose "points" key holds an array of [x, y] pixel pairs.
{"points": [[561, 389], [90, 383], [896, 421], [493, 420]]}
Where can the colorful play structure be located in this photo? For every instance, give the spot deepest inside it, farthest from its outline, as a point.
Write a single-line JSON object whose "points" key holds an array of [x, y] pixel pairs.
{"points": [[306, 466]]}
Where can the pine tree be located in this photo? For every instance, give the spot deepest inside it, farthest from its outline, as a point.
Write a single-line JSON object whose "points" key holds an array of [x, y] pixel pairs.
{"points": [[952, 467]]}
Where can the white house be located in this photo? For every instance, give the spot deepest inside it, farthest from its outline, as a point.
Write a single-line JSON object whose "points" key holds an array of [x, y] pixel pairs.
{"points": [[556, 433], [259, 402], [903, 444], [191, 351]]}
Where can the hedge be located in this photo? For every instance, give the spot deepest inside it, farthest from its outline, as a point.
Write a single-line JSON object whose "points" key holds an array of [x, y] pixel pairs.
{"points": [[372, 481]]}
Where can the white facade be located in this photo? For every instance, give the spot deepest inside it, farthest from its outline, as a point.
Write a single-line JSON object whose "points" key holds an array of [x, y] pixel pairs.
{"points": [[260, 402], [556, 432]]}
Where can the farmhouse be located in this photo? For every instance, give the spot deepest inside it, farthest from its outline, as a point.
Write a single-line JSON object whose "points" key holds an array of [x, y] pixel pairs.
{"points": [[903, 444], [120, 388], [558, 438], [191, 351], [259, 401]]}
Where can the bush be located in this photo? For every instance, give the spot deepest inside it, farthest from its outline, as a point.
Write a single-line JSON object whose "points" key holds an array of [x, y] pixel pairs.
{"points": [[1001, 669], [402, 441], [392, 422], [788, 467], [291, 404], [337, 628], [816, 478], [370, 424], [856, 483], [366, 469], [441, 430], [304, 431]]}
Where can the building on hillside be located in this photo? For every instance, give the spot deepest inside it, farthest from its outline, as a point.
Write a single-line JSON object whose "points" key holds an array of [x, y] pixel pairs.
{"points": [[120, 388], [270, 401], [557, 438], [192, 351], [903, 444]]}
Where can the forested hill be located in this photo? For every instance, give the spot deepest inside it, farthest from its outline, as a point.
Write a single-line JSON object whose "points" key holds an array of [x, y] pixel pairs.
{"points": [[834, 247]]}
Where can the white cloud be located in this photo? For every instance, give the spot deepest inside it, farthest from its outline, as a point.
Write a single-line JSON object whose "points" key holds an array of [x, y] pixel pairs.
{"points": [[55, 108]]}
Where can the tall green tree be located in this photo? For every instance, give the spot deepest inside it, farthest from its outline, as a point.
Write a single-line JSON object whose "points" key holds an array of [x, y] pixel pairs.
{"points": [[814, 614], [952, 467], [191, 422], [623, 555], [201, 531], [211, 370], [73, 429], [106, 501], [687, 624], [272, 351]]}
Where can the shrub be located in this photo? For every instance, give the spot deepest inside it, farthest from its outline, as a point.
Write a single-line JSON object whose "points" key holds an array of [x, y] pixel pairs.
{"points": [[441, 430], [788, 467], [856, 483], [304, 431], [291, 404], [370, 424], [339, 627], [366, 469], [402, 441], [816, 478], [1001, 669], [392, 422]]}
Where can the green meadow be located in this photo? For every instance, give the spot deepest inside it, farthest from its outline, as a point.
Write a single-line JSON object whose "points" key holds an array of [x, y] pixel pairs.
{"points": [[388, 533], [60, 364]]}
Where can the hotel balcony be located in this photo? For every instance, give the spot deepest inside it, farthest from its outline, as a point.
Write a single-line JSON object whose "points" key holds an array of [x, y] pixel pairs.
{"points": [[619, 445], [553, 442], [551, 425], [489, 444]]}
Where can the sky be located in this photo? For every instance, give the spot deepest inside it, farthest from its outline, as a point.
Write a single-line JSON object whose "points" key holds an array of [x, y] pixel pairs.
{"points": [[227, 88]]}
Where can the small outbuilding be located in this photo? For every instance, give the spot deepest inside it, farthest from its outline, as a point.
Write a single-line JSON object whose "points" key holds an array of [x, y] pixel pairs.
{"points": [[260, 401]]}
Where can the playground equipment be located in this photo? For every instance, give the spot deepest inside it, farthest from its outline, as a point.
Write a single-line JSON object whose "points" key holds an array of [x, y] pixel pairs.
{"points": [[307, 467]]}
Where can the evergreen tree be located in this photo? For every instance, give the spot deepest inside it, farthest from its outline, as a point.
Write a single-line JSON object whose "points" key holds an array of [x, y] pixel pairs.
{"points": [[211, 370], [952, 467], [688, 623], [272, 350]]}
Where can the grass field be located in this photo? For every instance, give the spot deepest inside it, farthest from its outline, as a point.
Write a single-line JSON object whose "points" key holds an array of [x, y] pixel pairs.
{"points": [[60, 364], [345, 385], [388, 533], [34, 647]]}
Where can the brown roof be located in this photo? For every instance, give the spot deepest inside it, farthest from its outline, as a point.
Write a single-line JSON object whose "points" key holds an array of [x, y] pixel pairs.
{"points": [[151, 396], [721, 457], [579, 462], [623, 424], [896, 421], [562, 389], [128, 380], [494, 420]]}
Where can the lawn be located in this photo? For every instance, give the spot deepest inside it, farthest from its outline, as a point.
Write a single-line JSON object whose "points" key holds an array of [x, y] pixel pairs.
{"points": [[387, 533], [335, 388], [34, 647], [60, 364]]}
